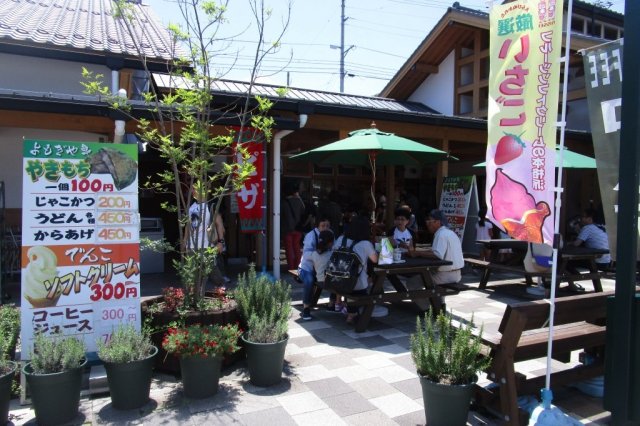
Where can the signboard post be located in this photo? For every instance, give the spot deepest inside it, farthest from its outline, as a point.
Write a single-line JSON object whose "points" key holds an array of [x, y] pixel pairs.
{"points": [[80, 240], [459, 201]]}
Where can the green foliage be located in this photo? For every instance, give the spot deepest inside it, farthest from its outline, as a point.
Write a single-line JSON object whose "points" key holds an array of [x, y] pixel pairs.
{"points": [[55, 354], [125, 345], [186, 129], [9, 332], [265, 305], [446, 354]]}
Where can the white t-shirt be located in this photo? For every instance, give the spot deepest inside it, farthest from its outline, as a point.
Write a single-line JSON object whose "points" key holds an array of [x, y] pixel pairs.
{"points": [[483, 232], [402, 236], [200, 220], [320, 262], [446, 246], [363, 249]]}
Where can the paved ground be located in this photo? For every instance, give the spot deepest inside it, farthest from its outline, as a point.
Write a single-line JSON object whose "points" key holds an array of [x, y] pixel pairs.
{"points": [[332, 374]]}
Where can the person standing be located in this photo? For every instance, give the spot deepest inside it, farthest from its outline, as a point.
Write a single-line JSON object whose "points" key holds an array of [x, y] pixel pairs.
{"points": [[292, 211], [484, 229], [202, 233]]}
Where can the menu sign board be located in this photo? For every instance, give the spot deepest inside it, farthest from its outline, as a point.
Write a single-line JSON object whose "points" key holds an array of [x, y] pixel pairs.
{"points": [[459, 193], [80, 239]]}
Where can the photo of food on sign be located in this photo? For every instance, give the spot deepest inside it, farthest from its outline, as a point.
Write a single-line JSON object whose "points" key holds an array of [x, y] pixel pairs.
{"points": [[122, 168], [516, 209], [40, 274]]}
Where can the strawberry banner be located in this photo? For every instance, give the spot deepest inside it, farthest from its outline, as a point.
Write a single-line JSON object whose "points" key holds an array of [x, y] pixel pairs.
{"points": [[523, 104]]}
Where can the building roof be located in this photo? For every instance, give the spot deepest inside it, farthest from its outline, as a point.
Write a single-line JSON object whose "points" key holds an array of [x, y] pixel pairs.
{"points": [[458, 24], [83, 26], [309, 101]]}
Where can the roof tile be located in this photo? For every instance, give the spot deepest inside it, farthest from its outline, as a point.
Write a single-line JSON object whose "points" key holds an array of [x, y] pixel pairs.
{"points": [[84, 25]]}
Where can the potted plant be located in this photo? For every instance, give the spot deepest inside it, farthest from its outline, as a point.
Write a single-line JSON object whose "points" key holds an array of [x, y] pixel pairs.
{"points": [[169, 310], [128, 358], [9, 330], [448, 359], [54, 377], [200, 349], [265, 306]]}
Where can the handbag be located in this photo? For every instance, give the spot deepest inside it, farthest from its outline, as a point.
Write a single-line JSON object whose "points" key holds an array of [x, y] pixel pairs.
{"points": [[539, 257]]}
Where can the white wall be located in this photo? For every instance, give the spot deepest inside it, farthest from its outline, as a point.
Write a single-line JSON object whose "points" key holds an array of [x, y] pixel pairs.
{"points": [[11, 155], [26, 73], [437, 90]]}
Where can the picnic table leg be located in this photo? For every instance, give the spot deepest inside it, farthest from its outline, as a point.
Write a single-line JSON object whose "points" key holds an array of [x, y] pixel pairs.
{"points": [[508, 395], [597, 284], [485, 278], [365, 317]]}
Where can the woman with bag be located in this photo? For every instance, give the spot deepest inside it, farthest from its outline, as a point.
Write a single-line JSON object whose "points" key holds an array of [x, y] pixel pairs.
{"points": [[359, 231]]}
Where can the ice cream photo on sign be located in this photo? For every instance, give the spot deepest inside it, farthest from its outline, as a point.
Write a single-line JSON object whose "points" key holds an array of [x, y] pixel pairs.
{"points": [[40, 274]]}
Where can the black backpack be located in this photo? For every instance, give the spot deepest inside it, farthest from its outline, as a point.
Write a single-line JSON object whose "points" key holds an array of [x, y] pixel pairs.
{"points": [[343, 269]]}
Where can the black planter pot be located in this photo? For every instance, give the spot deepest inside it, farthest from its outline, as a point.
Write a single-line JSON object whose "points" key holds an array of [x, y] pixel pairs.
{"points": [[265, 361], [446, 405], [55, 397], [5, 392], [200, 376], [169, 363], [130, 383]]}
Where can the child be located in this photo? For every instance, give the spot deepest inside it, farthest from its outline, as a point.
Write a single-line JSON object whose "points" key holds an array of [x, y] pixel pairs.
{"points": [[401, 236], [320, 259]]}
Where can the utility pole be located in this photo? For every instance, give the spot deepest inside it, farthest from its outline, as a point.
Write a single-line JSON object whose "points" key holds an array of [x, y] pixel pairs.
{"points": [[342, 52]]}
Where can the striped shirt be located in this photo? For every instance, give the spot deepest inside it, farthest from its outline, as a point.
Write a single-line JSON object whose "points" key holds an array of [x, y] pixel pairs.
{"points": [[595, 237]]}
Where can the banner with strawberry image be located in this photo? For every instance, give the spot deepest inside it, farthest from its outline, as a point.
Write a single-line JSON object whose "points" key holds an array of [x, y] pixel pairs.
{"points": [[523, 105]]}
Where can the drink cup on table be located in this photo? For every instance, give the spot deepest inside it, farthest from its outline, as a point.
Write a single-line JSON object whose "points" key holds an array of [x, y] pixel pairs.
{"points": [[397, 255]]}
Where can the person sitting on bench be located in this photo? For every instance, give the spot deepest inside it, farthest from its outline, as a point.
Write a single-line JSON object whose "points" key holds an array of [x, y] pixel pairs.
{"points": [[446, 246], [591, 235]]}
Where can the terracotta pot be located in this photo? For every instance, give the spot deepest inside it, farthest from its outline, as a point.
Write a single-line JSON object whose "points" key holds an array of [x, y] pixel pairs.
{"points": [[169, 363]]}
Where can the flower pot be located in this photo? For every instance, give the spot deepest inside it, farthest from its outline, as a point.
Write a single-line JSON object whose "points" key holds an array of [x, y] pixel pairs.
{"points": [[200, 376], [6, 380], [130, 382], [446, 405], [170, 363], [265, 361], [56, 396]]}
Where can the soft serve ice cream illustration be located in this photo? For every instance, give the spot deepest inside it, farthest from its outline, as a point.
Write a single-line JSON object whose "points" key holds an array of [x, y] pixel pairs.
{"points": [[516, 209], [39, 276]]}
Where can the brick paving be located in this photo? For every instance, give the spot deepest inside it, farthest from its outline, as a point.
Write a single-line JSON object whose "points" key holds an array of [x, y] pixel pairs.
{"points": [[332, 374]]}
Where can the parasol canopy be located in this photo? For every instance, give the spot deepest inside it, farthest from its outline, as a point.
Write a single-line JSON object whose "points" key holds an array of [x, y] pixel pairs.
{"points": [[570, 160], [388, 149]]}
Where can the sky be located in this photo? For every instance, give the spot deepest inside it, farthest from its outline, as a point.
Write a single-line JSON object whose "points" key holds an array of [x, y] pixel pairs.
{"points": [[379, 37]]}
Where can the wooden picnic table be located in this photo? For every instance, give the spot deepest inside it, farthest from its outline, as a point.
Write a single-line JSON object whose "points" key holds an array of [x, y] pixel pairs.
{"points": [[565, 255], [410, 266]]}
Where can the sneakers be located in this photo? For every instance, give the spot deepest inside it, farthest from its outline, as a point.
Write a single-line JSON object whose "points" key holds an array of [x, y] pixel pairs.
{"points": [[336, 307], [306, 314]]}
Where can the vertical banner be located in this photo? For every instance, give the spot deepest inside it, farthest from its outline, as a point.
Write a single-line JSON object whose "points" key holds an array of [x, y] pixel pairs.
{"points": [[80, 240], [250, 198], [603, 81], [525, 49]]}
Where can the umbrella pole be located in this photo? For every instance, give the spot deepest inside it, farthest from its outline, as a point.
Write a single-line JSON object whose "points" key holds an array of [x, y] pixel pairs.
{"points": [[372, 163]]}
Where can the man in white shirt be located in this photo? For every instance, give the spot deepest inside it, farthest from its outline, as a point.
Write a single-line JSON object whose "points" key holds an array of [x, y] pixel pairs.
{"points": [[446, 246]]}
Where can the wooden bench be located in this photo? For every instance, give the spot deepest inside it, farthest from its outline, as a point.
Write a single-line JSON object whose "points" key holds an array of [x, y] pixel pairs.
{"points": [[488, 267], [579, 325]]}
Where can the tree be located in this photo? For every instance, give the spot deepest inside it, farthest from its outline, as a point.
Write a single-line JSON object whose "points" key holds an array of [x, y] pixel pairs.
{"points": [[184, 127]]}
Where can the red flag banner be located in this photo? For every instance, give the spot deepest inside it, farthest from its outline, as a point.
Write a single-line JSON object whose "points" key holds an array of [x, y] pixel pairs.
{"points": [[250, 197], [525, 49]]}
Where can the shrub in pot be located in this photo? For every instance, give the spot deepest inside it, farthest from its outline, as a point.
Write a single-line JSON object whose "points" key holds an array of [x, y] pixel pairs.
{"points": [[128, 358], [265, 306], [54, 377], [448, 359], [9, 331], [200, 349]]}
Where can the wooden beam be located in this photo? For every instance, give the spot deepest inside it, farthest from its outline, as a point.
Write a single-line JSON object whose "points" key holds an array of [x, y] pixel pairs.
{"points": [[424, 68]]}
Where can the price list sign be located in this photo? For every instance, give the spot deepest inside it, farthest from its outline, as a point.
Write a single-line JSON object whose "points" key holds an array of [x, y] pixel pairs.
{"points": [[80, 239]]}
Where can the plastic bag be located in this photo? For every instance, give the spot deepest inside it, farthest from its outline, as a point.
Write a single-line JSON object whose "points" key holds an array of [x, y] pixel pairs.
{"points": [[538, 258], [386, 252]]}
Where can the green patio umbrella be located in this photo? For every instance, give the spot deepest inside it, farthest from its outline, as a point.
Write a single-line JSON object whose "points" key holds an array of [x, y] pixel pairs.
{"points": [[570, 160], [372, 147], [363, 146]]}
